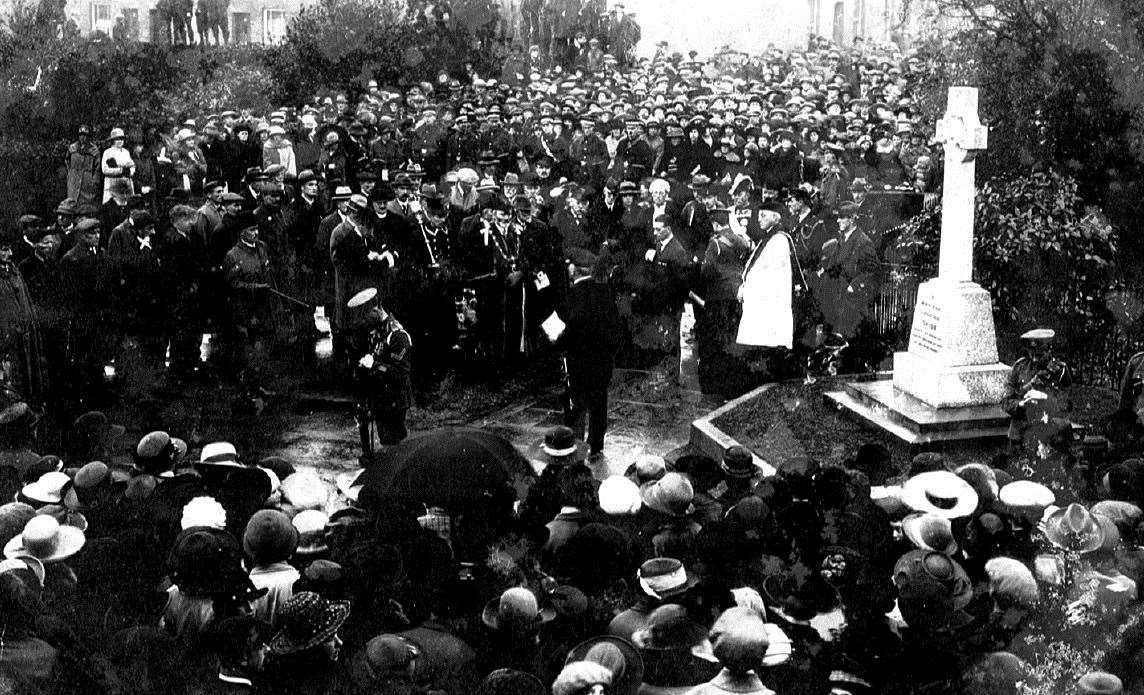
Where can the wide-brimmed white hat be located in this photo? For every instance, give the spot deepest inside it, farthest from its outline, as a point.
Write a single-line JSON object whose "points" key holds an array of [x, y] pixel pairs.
{"points": [[940, 492], [46, 540]]}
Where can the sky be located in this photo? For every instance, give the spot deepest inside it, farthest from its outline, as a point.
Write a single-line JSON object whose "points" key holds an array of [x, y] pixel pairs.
{"points": [[704, 25]]}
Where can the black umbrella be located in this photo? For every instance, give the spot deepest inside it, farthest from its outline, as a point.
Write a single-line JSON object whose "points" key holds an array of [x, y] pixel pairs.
{"points": [[452, 466]]}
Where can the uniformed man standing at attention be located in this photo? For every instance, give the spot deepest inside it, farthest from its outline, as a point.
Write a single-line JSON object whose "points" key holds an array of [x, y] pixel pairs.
{"points": [[247, 268], [1038, 386], [382, 349]]}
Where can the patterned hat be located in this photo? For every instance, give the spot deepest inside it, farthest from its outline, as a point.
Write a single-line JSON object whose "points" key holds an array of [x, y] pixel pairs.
{"points": [[308, 620]]}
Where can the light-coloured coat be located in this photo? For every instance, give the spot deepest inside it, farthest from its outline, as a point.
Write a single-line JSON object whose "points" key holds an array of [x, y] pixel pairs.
{"points": [[767, 295]]}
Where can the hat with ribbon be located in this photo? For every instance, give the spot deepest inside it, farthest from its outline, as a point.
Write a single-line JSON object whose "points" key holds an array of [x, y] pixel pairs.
{"points": [[307, 620], [1027, 498], [940, 492], [560, 446], [311, 527], [663, 577], [931, 566], [738, 462]]}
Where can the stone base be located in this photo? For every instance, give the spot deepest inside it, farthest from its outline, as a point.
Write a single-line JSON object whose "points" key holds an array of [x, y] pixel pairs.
{"points": [[914, 422], [950, 387], [952, 359]]}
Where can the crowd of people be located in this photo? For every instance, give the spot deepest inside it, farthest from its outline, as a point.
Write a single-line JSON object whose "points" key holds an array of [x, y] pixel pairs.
{"points": [[578, 208], [460, 200], [146, 568]]}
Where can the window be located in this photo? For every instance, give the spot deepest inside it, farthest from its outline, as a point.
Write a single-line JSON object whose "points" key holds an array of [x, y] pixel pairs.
{"points": [[240, 27], [160, 28], [101, 18], [131, 23], [273, 26]]}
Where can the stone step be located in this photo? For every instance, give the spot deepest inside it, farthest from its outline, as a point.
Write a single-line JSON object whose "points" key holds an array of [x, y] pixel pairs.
{"points": [[880, 404]]}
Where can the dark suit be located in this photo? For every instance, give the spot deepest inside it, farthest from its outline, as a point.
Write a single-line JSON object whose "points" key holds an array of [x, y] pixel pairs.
{"points": [[353, 271], [590, 340]]}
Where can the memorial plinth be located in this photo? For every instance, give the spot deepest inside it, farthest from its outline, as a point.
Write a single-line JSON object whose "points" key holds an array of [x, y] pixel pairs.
{"points": [[951, 364], [952, 357]]}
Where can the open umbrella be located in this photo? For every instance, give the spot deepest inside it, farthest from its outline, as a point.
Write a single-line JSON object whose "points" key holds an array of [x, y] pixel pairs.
{"points": [[452, 466]]}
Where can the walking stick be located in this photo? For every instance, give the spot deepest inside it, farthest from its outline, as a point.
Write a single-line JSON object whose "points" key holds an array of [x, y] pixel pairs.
{"points": [[569, 404], [288, 298]]}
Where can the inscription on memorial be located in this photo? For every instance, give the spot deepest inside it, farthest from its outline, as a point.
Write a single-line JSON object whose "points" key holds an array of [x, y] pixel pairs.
{"points": [[925, 336]]}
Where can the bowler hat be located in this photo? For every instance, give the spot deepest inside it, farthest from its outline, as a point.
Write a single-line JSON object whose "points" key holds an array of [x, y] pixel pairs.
{"points": [[560, 446], [738, 462]]}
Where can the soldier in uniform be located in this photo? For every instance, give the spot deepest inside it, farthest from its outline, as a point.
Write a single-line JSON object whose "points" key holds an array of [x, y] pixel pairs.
{"points": [[382, 351], [247, 269], [1038, 387]]}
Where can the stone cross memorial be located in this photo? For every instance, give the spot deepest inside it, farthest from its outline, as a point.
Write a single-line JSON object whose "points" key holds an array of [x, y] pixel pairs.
{"points": [[952, 357]]}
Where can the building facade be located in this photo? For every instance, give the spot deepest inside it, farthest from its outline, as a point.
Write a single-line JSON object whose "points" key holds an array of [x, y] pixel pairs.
{"points": [[247, 21]]}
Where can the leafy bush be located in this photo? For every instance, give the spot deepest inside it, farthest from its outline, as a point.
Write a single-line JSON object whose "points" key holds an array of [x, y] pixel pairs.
{"points": [[342, 44], [1045, 258], [234, 86]]}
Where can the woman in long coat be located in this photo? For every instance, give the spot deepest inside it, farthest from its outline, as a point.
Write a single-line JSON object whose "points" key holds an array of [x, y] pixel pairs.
{"points": [[20, 353]]}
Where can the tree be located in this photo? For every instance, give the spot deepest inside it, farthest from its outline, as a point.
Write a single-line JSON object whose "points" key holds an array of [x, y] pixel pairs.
{"points": [[1061, 86], [342, 44]]}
